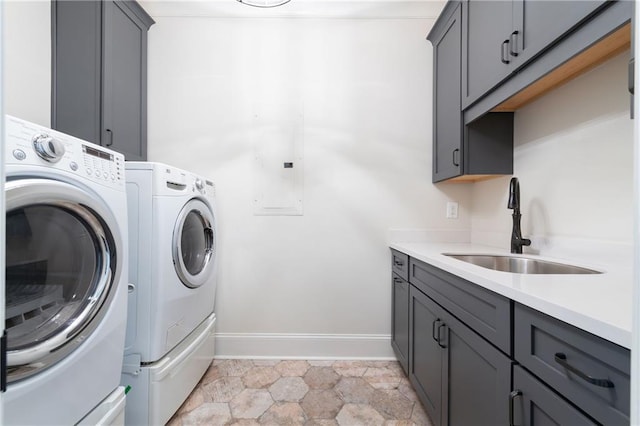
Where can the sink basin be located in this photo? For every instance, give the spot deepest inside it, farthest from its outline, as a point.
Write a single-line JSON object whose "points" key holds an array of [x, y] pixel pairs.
{"points": [[520, 265]]}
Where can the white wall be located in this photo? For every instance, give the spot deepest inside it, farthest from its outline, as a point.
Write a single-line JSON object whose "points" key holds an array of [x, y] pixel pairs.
{"points": [[27, 60], [574, 159], [364, 88]]}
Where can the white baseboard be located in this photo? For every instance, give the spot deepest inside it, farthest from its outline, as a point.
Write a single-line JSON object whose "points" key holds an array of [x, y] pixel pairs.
{"points": [[304, 346]]}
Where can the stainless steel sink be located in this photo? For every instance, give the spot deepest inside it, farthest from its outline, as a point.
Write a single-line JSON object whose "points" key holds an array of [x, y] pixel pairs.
{"points": [[520, 265]]}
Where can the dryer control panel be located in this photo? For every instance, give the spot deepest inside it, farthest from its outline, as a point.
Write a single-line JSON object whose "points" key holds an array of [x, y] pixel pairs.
{"points": [[30, 144]]}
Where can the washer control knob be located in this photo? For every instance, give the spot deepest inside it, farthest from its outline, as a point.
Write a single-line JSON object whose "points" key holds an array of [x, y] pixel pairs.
{"points": [[73, 166], [48, 148], [199, 185]]}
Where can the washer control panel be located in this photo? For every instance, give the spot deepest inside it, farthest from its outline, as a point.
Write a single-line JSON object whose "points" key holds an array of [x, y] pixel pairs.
{"points": [[34, 145]]}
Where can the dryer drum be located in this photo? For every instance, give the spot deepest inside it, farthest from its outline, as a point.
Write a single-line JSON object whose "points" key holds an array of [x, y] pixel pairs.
{"points": [[61, 257], [194, 243]]}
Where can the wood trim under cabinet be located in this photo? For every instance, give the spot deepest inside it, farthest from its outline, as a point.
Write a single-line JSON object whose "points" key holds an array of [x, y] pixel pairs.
{"points": [[470, 178], [608, 47]]}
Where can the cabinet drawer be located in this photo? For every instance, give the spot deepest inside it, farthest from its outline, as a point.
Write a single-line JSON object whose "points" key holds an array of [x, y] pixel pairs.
{"points": [[535, 404], [484, 311], [589, 371], [400, 264]]}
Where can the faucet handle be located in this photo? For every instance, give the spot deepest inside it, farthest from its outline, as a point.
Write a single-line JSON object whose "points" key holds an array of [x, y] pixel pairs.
{"points": [[514, 194]]}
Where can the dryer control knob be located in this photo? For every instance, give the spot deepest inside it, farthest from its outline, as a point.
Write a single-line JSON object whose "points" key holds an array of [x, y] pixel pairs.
{"points": [[48, 148], [199, 185]]}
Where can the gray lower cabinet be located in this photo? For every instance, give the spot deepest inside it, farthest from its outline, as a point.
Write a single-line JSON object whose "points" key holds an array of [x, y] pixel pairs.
{"points": [[400, 321], [534, 404], [592, 373], [460, 377], [426, 355], [100, 73], [477, 358]]}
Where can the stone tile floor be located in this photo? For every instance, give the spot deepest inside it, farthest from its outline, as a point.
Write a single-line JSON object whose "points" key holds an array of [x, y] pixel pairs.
{"points": [[310, 393]]}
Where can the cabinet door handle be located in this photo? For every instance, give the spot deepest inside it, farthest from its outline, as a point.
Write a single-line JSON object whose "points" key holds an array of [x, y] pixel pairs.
{"points": [[512, 396], [504, 48], [513, 39], [433, 329], [397, 280], [562, 360], [110, 133], [456, 162], [632, 75], [439, 336]]}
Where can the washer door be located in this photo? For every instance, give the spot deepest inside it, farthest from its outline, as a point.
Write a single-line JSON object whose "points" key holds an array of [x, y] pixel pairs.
{"points": [[62, 245], [194, 243]]}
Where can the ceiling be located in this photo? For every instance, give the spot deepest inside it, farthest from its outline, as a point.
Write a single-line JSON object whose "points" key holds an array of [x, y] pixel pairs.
{"points": [[356, 9]]}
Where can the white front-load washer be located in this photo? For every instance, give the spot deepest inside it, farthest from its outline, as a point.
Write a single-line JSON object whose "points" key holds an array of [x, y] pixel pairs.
{"points": [[170, 329], [66, 275]]}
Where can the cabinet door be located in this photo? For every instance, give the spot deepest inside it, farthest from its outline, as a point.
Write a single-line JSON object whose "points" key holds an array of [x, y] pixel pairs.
{"points": [[534, 404], [426, 356], [124, 90], [537, 24], [485, 47], [400, 321], [77, 62], [447, 128], [477, 378]]}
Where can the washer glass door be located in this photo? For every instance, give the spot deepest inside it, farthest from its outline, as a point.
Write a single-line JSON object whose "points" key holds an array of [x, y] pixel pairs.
{"points": [[194, 243], [60, 268]]}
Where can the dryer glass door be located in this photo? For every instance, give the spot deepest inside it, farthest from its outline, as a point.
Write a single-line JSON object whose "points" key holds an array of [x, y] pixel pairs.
{"points": [[60, 267], [194, 243]]}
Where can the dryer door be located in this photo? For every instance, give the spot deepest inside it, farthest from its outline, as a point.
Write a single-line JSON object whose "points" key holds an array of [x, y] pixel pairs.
{"points": [[194, 243], [61, 265]]}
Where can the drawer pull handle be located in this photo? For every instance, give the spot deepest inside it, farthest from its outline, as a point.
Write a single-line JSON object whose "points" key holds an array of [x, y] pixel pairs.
{"points": [[562, 360], [397, 280], [398, 263], [512, 396]]}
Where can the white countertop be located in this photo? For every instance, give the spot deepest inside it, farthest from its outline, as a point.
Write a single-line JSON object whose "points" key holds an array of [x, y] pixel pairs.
{"points": [[598, 303]]}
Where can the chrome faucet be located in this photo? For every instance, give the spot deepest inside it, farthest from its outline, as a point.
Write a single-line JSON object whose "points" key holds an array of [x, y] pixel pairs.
{"points": [[514, 203]]}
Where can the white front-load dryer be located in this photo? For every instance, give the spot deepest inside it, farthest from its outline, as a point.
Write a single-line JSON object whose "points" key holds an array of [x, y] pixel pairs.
{"points": [[169, 342], [66, 275]]}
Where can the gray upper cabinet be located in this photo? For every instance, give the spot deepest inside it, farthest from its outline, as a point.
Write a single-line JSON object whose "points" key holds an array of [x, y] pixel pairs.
{"points": [[100, 73], [491, 57], [77, 62], [482, 148], [447, 129], [537, 24], [501, 36], [485, 49]]}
